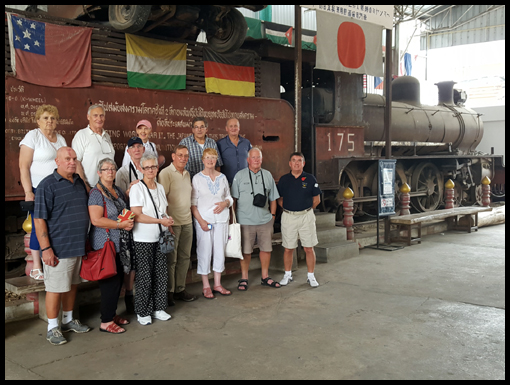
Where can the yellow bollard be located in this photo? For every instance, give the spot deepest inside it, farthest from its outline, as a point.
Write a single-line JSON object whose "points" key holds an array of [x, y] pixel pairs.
{"points": [[450, 194], [405, 199], [348, 207], [486, 191]]}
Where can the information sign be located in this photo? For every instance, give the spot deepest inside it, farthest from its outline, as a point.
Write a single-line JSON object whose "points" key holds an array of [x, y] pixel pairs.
{"points": [[386, 190]]}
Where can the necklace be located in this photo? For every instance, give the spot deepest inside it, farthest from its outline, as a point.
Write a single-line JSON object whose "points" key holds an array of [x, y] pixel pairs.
{"points": [[49, 141]]}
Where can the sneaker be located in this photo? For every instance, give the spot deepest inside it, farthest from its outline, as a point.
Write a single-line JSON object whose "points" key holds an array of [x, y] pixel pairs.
{"points": [[161, 315], [74, 326], [185, 296], [55, 336], [144, 320], [286, 280], [313, 282]]}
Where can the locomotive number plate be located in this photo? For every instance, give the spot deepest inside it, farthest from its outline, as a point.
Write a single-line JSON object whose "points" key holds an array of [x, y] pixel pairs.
{"points": [[339, 141]]}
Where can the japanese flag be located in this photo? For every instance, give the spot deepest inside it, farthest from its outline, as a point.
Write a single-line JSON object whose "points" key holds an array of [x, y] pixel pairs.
{"points": [[348, 45]]}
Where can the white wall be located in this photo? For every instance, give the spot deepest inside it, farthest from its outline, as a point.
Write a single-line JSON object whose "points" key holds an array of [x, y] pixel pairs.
{"points": [[494, 129]]}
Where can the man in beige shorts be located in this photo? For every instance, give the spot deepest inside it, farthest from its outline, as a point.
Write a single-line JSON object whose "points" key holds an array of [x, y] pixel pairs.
{"points": [[299, 195], [61, 219], [255, 193]]}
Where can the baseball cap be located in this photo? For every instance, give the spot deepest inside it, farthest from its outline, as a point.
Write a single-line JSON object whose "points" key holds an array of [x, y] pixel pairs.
{"points": [[145, 123], [134, 140]]}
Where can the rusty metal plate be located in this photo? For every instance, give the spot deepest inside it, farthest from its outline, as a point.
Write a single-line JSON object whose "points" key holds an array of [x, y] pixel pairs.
{"points": [[267, 123], [333, 142]]}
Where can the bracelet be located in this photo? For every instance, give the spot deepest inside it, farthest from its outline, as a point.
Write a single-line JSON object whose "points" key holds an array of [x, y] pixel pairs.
{"points": [[118, 223], [274, 215], [49, 247]]}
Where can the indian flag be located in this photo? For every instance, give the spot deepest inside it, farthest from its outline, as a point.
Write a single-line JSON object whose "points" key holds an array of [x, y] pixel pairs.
{"points": [[155, 64]]}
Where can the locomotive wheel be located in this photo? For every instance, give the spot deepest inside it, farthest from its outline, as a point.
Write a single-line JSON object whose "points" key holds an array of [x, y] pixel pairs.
{"points": [[128, 18], [427, 180]]}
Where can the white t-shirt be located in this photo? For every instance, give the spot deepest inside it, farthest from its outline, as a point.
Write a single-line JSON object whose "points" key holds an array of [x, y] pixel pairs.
{"points": [[45, 152], [139, 196], [149, 147], [90, 148]]}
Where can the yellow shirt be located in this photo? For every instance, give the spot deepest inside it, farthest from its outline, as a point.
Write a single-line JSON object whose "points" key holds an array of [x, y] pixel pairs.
{"points": [[178, 193]]}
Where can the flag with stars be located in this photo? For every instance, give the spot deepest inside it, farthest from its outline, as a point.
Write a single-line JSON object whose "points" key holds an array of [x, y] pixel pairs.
{"points": [[48, 54]]}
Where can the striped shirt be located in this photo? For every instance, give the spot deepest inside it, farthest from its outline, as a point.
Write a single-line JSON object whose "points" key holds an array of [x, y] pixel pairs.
{"points": [[64, 206], [195, 164]]}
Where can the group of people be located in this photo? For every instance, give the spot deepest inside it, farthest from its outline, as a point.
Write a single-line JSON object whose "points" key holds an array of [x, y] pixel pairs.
{"points": [[79, 193]]}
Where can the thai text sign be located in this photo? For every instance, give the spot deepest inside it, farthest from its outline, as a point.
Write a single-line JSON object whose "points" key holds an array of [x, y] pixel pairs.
{"points": [[375, 14]]}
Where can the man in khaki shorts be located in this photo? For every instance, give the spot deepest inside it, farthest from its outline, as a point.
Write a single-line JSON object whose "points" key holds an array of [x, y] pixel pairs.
{"points": [[61, 219], [299, 195], [255, 193]]}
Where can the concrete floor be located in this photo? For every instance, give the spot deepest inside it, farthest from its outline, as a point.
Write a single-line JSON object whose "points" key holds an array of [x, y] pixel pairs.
{"points": [[429, 311]]}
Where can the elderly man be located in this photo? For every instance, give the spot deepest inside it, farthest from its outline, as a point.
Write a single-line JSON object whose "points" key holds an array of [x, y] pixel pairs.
{"points": [[233, 150], [255, 194], [61, 221], [176, 181], [92, 144], [196, 143], [299, 195], [131, 173]]}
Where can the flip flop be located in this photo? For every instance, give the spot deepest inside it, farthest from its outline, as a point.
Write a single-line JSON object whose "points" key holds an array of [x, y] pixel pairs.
{"points": [[264, 282], [221, 290], [120, 321], [241, 281], [207, 293], [112, 328]]}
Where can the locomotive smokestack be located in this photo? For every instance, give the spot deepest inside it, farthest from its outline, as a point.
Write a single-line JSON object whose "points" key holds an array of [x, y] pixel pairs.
{"points": [[445, 92]]}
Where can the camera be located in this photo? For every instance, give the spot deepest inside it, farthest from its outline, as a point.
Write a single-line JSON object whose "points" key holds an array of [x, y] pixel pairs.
{"points": [[259, 200]]}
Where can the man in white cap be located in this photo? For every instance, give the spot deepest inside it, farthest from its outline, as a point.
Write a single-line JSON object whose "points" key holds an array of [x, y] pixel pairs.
{"points": [[143, 130]]}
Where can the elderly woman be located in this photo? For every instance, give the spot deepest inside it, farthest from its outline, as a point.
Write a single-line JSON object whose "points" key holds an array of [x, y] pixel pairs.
{"points": [[38, 151], [148, 201], [210, 200], [143, 130], [106, 202]]}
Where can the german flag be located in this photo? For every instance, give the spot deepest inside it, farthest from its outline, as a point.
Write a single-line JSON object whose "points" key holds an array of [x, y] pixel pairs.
{"points": [[229, 74]]}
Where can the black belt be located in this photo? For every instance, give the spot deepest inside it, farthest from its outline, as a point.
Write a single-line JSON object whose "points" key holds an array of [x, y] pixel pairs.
{"points": [[297, 212]]}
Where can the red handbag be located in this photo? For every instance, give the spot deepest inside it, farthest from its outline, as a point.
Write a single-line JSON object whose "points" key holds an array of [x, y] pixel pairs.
{"points": [[99, 264]]}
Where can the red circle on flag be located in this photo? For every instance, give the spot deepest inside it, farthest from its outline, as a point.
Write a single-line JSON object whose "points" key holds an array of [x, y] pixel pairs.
{"points": [[350, 45]]}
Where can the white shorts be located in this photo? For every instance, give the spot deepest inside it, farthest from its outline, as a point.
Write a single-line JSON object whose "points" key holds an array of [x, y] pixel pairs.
{"points": [[298, 226]]}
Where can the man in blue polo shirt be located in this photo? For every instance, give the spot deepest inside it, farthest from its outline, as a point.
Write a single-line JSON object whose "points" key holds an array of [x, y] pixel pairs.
{"points": [[299, 195], [233, 150], [61, 221]]}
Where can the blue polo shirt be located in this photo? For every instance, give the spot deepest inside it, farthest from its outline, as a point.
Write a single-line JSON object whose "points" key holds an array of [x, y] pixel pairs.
{"points": [[64, 206], [234, 157], [298, 193]]}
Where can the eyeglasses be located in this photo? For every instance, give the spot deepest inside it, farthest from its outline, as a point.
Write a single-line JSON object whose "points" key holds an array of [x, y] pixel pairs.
{"points": [[200, 128], [108, 169], [150, 168]]}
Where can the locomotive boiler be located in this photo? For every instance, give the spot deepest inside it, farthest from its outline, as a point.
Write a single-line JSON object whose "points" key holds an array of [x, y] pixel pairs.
{"points": [[430, 143]]}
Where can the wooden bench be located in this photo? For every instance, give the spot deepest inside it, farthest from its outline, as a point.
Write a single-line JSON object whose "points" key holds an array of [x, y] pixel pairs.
{"points": [[408, 221], [26, 285]]}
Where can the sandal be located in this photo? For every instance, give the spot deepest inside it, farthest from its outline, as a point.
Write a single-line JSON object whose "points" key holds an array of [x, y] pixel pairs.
{"points": [[37, 274], [112, 328], [207, 293], [120, 321], [242, 287], [264, 282], [220, 289]]}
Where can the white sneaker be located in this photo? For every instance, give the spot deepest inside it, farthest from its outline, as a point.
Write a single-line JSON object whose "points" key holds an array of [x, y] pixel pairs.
{"points": [[286, 280], [144, 320], [313, 282], [161, 315]]}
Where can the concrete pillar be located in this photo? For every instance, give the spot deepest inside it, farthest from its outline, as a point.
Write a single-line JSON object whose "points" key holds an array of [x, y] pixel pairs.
{"points": [[486, 191], [348, 207], [405, 199], [450, 194]]}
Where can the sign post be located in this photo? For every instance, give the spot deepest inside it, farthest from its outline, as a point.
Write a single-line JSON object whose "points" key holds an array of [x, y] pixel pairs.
{"points": [[385, 197]]}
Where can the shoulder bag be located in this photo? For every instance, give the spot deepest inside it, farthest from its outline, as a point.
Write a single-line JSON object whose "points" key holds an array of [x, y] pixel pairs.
{"points": [[166, 239], [99, 264], [233, 247]]}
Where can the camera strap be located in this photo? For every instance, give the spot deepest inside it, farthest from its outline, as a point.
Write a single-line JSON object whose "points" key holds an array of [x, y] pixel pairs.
{"points": [[263, 185]]}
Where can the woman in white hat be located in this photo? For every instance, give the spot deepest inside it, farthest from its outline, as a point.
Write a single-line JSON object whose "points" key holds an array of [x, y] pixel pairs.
{"points": [[143, 130]]}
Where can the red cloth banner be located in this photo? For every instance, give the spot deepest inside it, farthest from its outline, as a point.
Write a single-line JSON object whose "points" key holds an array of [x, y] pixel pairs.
{"points": [[48, 54]]}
